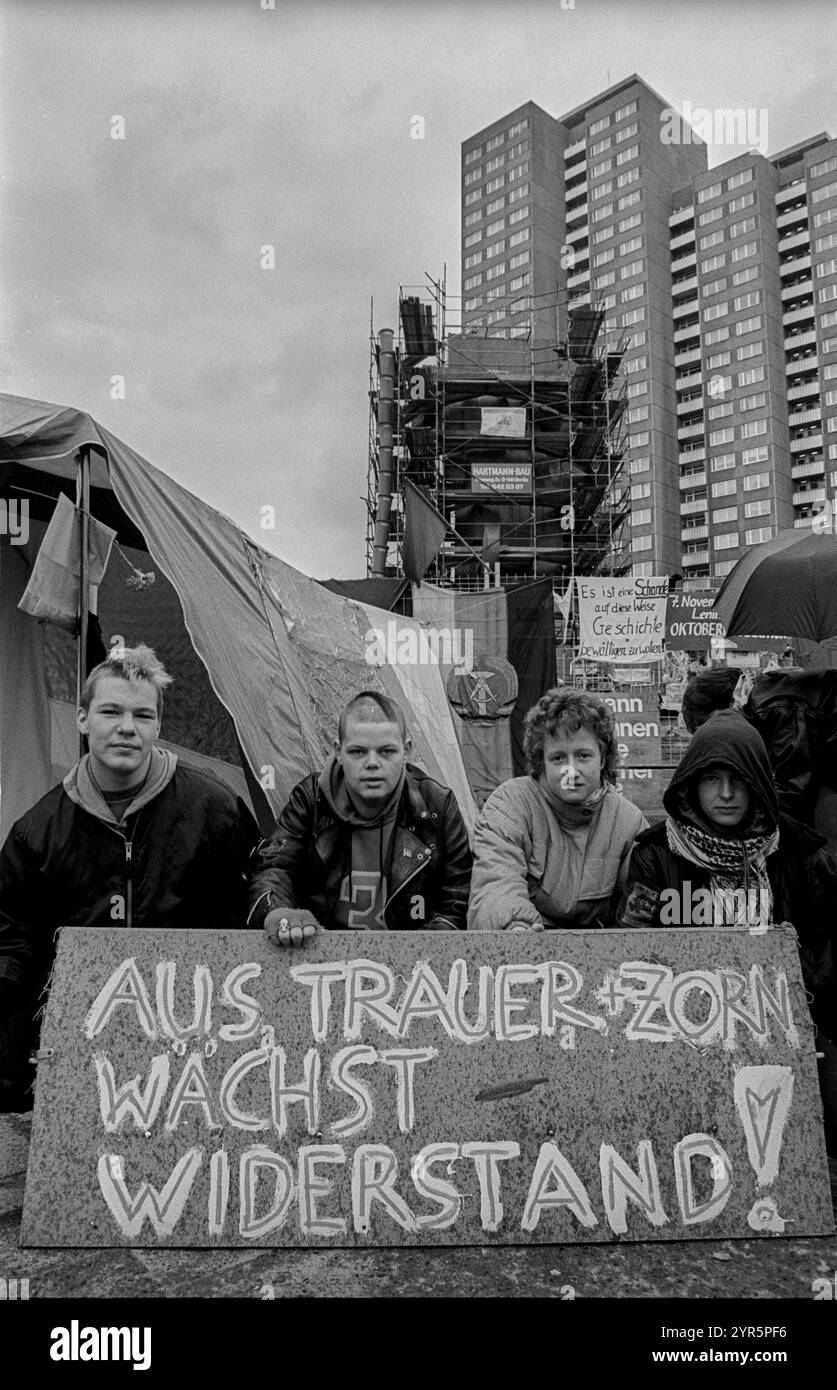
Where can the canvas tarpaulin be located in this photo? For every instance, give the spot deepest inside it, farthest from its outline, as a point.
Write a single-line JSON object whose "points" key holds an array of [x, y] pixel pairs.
{"points": [[379, 593], [25, 734], [282, 653]]}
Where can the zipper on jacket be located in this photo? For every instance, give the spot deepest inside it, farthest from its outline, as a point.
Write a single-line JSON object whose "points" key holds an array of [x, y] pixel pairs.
{"points": [[129, 881], [417, 870]]}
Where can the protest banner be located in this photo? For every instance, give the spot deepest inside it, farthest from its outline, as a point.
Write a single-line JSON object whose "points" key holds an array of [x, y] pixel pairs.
{"points": [[622, 620], [692, 623], [204, 1089], [636, 722]]}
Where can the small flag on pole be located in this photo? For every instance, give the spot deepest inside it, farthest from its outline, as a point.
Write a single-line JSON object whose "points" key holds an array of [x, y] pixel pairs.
{"points": [[52, 594], [565, 605], [424, 530]]}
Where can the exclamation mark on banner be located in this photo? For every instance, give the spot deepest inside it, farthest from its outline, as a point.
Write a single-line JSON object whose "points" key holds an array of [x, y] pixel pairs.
{"points": [[763, 1098]]}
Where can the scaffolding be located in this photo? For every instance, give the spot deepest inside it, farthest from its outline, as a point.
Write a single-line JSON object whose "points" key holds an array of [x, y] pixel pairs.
{"points": [[515, 434]]}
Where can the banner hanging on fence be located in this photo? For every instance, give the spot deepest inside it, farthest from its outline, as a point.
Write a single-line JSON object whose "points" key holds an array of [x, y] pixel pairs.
{"points": [[201, 1088], [622, 620], [636, 724]]}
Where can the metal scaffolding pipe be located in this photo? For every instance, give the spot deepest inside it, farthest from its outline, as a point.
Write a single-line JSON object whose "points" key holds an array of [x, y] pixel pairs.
{"points": [[386, 419]]}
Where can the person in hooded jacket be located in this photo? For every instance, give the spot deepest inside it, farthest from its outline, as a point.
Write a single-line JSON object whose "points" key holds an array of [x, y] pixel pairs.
{"points": [[371, 843], [795, 711], [725, 855]]}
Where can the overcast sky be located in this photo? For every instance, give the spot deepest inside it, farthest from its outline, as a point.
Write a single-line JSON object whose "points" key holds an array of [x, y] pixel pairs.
{"points": [[247, 127]]}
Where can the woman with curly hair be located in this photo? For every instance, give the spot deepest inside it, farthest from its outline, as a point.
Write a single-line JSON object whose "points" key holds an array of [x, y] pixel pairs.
{"points": [[550, 848]]}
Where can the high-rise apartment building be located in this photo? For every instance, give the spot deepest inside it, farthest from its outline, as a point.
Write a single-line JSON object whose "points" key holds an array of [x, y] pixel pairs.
{"points": [[725, 280]]}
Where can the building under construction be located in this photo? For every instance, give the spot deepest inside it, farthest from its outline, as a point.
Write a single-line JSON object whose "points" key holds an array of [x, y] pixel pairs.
{"points": [[518, 441]]}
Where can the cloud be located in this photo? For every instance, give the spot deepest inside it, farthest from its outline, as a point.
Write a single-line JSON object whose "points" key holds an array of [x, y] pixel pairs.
{"points": [[246, 128]]}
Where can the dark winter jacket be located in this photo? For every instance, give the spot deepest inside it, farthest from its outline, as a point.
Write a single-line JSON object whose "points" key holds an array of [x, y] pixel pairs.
{"points": [[802, 873], [795, 712], [178, 859], [304, 862]]}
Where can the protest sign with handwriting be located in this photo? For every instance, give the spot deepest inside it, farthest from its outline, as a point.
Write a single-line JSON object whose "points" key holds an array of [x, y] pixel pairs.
{"points": [[202, 1088]]}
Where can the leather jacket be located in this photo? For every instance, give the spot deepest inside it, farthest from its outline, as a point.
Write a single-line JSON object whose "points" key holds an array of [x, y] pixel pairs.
{"points": [[303, 863]]}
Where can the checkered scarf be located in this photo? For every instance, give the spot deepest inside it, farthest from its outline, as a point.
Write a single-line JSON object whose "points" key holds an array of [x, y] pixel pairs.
{"points": [[732, 865]]}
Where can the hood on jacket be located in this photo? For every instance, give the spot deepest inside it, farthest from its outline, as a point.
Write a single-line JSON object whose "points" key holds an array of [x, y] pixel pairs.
{"points": [[332, 784], [725, 740], [80, 787]]}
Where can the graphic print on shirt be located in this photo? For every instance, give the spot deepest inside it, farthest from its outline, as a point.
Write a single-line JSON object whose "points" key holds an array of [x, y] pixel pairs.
{"points": [[366, 899]]}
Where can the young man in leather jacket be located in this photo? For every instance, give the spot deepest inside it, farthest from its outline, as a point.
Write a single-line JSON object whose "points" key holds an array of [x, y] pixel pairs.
{"points": [[370, 843]]}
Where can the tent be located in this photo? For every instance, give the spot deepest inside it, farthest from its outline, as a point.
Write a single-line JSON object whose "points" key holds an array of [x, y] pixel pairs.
{"points": [[264, 656]]}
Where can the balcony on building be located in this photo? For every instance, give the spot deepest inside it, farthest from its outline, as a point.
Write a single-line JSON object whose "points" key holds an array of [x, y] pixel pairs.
{"points": [[687, 332], [797, 288], [681, 310], [683, 286], [690, 431], [801, 364], [787, 243], [681, 215], [807, 441], [579, 277], [693, 533], [682, 359], [807, 363], [694, 481], [576, 235], [578, 147], [579, 210], [793, 341], [682, 239], [808, 496], [687, 262], [805, 311], [794, 267], [690, 406], [812, 469], [793, 190], [793, 216], [682, 383], [809, 416], [696, 453], [697, 557], [805, 388], [699, 504]]}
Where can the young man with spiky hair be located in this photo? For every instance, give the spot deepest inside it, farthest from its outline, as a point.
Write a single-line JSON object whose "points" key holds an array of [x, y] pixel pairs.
{"points": [[371, 843], [130, 838]]}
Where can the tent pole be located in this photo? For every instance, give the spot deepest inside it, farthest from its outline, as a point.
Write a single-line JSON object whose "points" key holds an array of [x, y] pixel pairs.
{"points": [[83, 507]]}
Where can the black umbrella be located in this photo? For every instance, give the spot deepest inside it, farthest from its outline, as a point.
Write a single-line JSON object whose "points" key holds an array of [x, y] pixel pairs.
{"points": [[786, 587]]}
